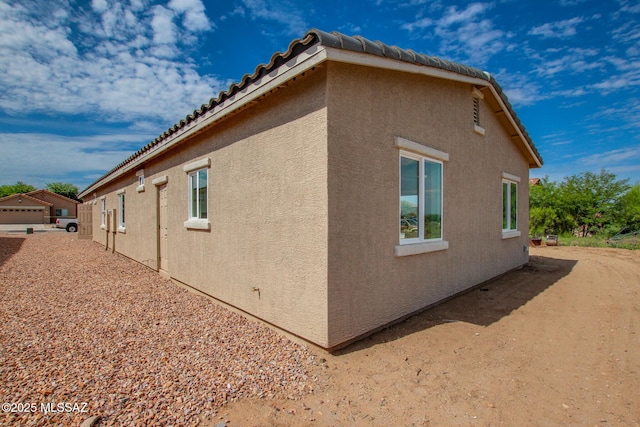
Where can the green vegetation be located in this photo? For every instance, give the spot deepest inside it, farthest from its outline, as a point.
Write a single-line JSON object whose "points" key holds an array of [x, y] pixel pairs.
{"points": [[587, 209], [64, 189], [17, 188]]}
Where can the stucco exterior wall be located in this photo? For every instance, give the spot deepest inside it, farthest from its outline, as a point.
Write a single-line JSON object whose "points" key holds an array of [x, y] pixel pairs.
{"points": [[58, 203], [266, 249], [368, 285]]}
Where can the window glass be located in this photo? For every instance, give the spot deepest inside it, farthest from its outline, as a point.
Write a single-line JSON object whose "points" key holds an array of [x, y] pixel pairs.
{"points": [[432, 200], [505, 205], [198, 194], [509, 205], [122, 210], [202, 194], [420, 199], [193, 196], [409, 183], [514, 206]]}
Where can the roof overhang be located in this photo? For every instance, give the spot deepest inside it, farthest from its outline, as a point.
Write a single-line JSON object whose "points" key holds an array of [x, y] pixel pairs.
{"points": [[303, 55]]}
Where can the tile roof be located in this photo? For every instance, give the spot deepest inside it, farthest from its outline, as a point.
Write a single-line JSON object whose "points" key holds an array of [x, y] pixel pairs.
{"points": [[338, 41], [25, 196]]}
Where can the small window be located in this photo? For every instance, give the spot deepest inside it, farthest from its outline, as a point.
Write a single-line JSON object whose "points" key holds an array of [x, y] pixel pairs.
{"points": [[140, 175], [121, 209], [103, 212], [509, 205], [198, 199], [198, 194]]}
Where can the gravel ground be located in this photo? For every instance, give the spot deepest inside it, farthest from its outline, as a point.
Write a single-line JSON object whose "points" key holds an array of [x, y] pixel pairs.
{"points": [[88, 333]]}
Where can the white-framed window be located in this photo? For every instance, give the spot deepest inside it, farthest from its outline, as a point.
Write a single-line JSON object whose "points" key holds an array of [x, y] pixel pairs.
{"points": [[198, 196], [510, 205], [420, 209], [420, 198], [121, 211], [140, 175], [103, 212]]}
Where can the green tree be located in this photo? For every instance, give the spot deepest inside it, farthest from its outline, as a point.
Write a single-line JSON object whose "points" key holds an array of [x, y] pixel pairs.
{"points": [[590, 199], [64, 189], [628, 209], [18, 188]]}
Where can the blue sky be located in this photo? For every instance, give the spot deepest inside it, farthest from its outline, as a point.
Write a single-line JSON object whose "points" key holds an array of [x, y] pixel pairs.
{"points": [[83, 84]]}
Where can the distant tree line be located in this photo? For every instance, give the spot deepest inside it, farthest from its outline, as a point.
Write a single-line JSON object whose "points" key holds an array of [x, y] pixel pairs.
{"points": [[64, 189], [584, 204]]}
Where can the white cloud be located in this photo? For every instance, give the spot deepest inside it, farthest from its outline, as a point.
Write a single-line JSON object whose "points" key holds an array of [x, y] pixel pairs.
{"points": [[574, 60], [455, 16], [164, 30], [520, 89], [559, 29], [82, 156], [124, 63], [99, 6], [279, 11], [614, 157], [195, 18], [465, 34]]}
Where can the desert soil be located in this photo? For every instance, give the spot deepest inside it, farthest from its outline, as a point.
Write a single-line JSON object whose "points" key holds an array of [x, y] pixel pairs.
{"points": [[556, 343]]}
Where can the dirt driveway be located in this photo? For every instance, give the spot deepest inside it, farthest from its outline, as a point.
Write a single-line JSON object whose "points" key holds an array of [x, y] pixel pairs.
{"points": [[554, 344]]}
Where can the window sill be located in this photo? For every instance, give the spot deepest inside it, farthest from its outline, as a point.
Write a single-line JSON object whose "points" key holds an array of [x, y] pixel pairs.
{"points": [[197, 224], [510, 234], [420, 248], [103, 227], [122, 230], [479, 130], [140, 188]]}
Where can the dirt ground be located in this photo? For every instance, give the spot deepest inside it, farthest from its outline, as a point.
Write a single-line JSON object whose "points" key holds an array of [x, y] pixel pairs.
{"points": [[556, 343]]}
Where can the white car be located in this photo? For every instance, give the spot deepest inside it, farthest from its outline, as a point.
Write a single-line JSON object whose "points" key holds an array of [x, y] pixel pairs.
{"points": [[71, 224]]}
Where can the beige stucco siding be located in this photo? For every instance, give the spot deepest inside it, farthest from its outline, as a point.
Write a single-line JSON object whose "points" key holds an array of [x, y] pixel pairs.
{"points": [[367, 109], [267, 210]]}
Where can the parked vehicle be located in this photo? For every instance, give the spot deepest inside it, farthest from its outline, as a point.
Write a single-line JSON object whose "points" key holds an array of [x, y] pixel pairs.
{"points": [[70, 224]]}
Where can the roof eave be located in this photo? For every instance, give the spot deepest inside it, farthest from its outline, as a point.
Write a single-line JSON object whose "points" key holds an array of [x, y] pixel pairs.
{"points": [[294, 67]]}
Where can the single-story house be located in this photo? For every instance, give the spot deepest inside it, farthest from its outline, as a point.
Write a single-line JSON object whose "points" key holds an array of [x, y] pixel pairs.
{"points": [[342, 186], [61, 206], [23, 209]]}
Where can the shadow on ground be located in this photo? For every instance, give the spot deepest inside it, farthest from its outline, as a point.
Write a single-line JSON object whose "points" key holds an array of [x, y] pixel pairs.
{"points": [[482, 305], [9, 246]]}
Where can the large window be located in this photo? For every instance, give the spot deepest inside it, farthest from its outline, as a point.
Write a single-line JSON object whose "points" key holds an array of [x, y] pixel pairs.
{"points": [[198, 194], [420, 199], [509, 205]]}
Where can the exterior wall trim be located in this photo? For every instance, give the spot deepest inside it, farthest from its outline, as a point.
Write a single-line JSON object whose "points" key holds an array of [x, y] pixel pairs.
{"points": [[160, 180], [416, 147], [510, 177], [198, 164]]}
